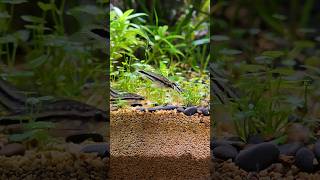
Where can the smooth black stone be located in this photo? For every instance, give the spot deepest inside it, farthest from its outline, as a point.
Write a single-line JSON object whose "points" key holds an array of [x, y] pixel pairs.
{"points": [[102, 150], [304, 159], [153, 109], [290, 149], [257, 157], [169, 107], [135, 104], [255, 139], [79, 138], [216, 143], [225, 152], [190, 111], [180, 109], [203, 111], [317, 149], [236, 144]]}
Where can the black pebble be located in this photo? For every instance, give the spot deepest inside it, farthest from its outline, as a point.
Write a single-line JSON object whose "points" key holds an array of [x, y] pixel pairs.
{"points": [[79, 138], [169, 107], [102, 150], [317, 149], [135, 104], [257, 157], [190, 111], [205, 112], [225, 152], [304, 159], [180, 109], [255, 139], [153, 109], [235, 143], [290, 149]]}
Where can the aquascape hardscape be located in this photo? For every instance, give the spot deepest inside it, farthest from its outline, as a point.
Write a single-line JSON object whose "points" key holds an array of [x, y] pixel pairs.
{"points": [[264, 82], [159, 95]]}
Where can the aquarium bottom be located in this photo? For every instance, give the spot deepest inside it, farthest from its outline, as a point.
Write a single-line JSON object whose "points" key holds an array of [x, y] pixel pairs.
{"points": [[221, 170], [54, 165], [159, 145], [183, 167]]}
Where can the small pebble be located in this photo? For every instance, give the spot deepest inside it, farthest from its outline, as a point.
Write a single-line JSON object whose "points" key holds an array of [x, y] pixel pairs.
{"points": [[102, 150], [225, 152], [12, 149], [180, 109], [79, 138], [255, 139], [190, 111], [304, 159], [257, 157], [290, 149], [317, 150]]}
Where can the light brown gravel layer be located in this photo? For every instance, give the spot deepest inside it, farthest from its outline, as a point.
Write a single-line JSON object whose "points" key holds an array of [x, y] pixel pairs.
{"points": [[227, 170], [159, 145], [53, 165]]}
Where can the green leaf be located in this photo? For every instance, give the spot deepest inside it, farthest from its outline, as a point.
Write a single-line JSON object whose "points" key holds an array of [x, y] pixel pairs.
{"points": [[118, 11], [33, 19], [220, 38], [7, 39], [46, 6], [22, 35], [273, 54], [201, 41], [4, 14], [39, 125], [230, 51], [21, 137], [13, 1], [38, 61]]}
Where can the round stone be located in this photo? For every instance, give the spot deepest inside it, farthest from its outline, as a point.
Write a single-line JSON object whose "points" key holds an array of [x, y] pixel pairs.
{"points": [[13, 149], [190, 111], [225, 152], [257, 157], [304, 159]]}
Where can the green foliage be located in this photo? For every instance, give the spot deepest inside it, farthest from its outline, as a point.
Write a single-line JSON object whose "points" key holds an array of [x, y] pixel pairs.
{"points": [[55, 62], [162, 49]]}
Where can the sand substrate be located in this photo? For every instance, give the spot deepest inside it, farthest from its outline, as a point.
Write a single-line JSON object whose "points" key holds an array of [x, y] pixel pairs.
{"points": [[227, 170], [159, 145], [53, 165]]}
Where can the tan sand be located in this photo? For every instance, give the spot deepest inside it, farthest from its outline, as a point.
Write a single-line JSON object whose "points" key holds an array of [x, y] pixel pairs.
{"points": [[159, 145]]}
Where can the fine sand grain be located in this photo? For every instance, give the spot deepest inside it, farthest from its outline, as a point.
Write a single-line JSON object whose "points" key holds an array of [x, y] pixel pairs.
{"points": [[159, 145]]}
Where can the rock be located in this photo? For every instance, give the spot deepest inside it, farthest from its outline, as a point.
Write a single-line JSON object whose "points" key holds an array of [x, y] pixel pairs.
{"points": [[153, 109], [190, 111], [304, 159], [257, 157], [102, 150], [234, 143], [141, 109], [13, 149], [204, 111], [290, 149], [169, 107], [255, 139], [225, 152], [298, 133], [180, 109], [317, 150], [79, 138], [135, 104]]}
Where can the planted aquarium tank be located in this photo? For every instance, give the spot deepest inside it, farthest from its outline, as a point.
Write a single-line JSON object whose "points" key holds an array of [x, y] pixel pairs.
{"points": [[264, 88], [159, 89], [53, 95]]}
